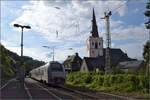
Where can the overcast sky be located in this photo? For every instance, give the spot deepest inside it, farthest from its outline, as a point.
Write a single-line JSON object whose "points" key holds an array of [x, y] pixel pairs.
{"points": [[73, 23]]}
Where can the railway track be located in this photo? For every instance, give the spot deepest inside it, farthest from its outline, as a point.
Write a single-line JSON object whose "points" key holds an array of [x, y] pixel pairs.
{"points": [[75, 94], [60, 93], [36, 90], [100, 95]]}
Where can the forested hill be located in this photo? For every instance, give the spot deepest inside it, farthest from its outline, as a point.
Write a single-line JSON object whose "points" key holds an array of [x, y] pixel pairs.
{"points": [[10, 62]]}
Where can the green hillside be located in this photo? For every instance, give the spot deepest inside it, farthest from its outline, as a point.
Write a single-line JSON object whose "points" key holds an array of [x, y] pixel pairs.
{"points": [[10, 62]]}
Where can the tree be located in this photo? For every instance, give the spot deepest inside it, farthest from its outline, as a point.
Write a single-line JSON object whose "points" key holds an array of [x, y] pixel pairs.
{"points": [[27, 66], [116, 70], [146, 56], [146, 53], [5, 64], [147, 14]]}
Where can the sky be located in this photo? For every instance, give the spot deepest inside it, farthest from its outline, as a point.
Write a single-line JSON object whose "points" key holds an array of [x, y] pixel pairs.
{"points": [[72, 21]]}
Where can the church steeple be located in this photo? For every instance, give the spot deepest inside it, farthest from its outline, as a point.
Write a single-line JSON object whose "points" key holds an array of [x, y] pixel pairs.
{"points": [[94, 30]]}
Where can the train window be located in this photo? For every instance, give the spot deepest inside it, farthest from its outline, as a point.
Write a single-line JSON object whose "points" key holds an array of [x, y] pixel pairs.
{"points": [[56, 67]]}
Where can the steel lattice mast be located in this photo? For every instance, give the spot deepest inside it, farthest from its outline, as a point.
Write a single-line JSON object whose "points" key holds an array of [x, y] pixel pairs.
{"points": [[108, 43]]}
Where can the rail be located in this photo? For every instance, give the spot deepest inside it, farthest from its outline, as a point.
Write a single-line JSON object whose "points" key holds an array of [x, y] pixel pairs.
{"points": [[94, 96]]}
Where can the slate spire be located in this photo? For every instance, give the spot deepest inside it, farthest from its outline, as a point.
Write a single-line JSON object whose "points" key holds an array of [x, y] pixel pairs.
{"points": [[94, 30]]}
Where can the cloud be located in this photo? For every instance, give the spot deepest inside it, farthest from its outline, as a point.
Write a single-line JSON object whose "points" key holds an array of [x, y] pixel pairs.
{"points": [[134, 50], [73, 21], [131, 32], [32, 52], [44, 18]]}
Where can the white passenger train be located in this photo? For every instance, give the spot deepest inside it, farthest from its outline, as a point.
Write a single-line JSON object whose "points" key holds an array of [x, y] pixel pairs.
{"points": [[51, 73]]}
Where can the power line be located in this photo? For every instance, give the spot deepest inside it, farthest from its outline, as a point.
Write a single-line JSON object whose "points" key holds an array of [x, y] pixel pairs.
{"points": [[120, 5]]}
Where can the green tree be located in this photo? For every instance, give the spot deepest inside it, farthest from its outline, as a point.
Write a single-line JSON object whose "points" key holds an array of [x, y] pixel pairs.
{"points": [[147, 14], [146, 53], [27, 66], [116, 70], [146, 56], [5, 64]]}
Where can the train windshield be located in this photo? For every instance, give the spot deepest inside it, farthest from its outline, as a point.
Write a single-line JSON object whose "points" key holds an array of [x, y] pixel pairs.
{"points": [[56, 67]]}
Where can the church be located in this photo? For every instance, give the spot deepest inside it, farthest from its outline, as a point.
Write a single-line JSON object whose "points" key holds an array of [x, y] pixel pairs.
{"points": [[95, 59]]}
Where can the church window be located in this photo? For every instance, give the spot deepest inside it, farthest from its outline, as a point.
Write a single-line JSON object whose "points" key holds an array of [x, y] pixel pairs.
{"points": [[92, 43], [96, 45]]}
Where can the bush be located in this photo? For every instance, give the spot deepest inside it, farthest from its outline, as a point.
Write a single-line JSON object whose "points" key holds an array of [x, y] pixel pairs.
{"points": [[116, 70], [117, 83], [106, 81], [87, 78]]}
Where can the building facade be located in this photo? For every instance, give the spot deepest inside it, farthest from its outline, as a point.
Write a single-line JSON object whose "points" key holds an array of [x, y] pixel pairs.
{"points": [[72, 63], [94, 42], [95, 59]]}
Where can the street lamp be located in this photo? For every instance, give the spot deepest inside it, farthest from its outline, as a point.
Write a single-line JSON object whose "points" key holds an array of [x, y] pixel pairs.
{"points": [[22, 27], [48, 47]]}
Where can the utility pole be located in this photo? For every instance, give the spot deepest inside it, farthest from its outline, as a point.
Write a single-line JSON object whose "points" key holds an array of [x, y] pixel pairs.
{"points": [[22, 70], [48, 47], [53, 54], [108, 42]]}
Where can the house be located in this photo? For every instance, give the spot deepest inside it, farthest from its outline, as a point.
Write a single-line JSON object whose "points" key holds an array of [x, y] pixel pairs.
{"points": [[117, 55], [98, 63], [92, 64], [131, 66], [72, 63], [95, 59]]}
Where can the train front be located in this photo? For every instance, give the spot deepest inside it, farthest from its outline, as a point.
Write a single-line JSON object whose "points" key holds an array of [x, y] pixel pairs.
{"points": [[58, 75]]}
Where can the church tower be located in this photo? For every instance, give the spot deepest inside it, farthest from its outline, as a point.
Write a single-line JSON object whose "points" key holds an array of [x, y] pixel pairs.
{"points": [[94, 42]]}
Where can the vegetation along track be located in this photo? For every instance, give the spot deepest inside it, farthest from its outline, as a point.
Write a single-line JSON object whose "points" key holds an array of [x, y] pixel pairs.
{"points": [[76, 94], [68, 92], [99, 95]]}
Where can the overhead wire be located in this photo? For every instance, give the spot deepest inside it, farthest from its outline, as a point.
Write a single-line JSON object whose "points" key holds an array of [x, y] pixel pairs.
{"points": [[120, 5]]}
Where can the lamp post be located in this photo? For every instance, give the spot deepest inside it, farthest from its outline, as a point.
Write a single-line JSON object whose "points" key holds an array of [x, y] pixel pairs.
{"points": [[48, 47], [22, 27]]}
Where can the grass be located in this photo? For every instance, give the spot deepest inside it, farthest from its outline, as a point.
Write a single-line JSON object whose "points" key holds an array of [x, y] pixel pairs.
{"points": [[136, 86]]}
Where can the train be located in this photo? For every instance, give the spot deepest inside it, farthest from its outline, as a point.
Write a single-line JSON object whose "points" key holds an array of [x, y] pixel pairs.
{"points": [[51, 73]]}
